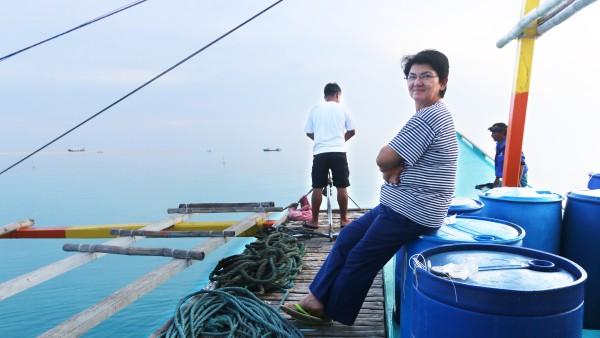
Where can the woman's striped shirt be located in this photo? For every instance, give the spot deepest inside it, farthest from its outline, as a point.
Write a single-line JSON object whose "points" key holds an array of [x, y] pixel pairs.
{"points": [[429, 146]]}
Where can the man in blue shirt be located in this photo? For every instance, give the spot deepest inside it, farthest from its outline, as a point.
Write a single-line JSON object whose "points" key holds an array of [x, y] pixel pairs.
{"points": [[499, 131]]}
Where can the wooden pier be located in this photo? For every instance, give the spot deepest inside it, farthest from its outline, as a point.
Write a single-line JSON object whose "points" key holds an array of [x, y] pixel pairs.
{"points": [[371, 321]]}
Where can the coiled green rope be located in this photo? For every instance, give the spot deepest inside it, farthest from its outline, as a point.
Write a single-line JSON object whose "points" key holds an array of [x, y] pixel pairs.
{"points": [[270, 263], [228, 312]]}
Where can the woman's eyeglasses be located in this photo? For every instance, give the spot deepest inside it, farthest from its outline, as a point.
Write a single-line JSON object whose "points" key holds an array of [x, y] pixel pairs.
{"points": [[425, 77]]}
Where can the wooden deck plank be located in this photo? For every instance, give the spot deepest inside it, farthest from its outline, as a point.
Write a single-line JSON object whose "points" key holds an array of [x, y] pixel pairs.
{"points": [[371, 318]]}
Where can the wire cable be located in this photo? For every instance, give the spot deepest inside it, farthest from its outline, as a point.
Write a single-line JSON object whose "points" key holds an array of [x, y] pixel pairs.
{"points": [[76, 28], [143, 85]]}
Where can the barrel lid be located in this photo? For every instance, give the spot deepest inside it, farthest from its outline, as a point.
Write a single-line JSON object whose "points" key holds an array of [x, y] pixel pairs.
{"points": [[473, 229], [594, 174], [464, 204], [521, 195], [505, 270], [592, 195], [519, 291]]}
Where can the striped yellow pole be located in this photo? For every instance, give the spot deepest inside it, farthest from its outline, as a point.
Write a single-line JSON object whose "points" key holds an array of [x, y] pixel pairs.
{"points": [[518, 108]]}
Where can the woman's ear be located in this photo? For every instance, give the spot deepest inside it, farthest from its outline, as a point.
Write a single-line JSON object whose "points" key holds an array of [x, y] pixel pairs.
{"points": [[444, 83]]}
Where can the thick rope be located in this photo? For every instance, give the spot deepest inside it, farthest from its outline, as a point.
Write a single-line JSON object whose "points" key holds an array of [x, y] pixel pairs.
{"points": [[270, 263], [228, 312]]}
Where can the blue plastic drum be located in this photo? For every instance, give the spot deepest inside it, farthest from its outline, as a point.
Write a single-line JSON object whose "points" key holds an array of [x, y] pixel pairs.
{"points": [[459, 206], [594, 182], [461, 229], [581, 243], [464, 206], [538, 212], [508, 292]]}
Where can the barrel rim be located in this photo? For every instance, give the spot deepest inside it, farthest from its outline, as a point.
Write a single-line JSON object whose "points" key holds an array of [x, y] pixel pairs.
{"points": [[520, 230], [478, 298], [470, 207], [523, 199], [577, 195]]}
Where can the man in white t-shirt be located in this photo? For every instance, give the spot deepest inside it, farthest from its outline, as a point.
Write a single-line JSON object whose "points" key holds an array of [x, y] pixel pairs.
{"points": [[329, 125]]}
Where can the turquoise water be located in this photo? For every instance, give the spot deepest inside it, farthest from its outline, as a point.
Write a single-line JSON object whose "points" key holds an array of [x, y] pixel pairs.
{"points": [[62, 188], [112, 187]]}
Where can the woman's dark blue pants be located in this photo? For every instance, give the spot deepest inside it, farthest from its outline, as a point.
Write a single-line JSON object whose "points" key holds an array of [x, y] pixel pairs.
{"points": [[359, 253]]}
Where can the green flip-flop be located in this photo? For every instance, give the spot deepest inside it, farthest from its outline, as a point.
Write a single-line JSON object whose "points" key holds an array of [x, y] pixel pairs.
{"points": [[304, 317]]}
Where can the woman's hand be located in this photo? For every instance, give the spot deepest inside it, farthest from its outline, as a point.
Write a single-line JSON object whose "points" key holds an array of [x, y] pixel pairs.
{"points": [[392, 175]]}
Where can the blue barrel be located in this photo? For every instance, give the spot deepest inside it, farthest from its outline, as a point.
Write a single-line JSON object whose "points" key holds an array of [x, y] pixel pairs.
{"points": [[464, 206], [581, 243], [458, 206], [505, 302], [538, 212], [462, 229], [594, 182]]}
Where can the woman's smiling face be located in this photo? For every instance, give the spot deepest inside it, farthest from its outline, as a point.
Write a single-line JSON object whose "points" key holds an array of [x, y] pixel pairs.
{"points": [[424, 85]]}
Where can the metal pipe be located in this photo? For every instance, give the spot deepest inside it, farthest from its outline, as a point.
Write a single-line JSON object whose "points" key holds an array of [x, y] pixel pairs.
{"points": [[554, 11], [167, 234], [135, 251], [527, 20], [563, 15], [329, 211]]}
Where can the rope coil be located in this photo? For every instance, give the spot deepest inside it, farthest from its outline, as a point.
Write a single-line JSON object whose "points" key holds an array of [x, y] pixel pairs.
{"points": [[228, 312], [233, 310], [270, 263]]}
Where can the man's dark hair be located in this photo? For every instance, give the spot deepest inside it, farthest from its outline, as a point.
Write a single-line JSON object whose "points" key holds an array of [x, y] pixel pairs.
{"points": [[500, 126], [437, 60], [332, 89]]}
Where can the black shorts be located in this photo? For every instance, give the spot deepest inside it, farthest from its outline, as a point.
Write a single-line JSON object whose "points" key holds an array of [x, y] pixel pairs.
{"points": [[337, 163]]}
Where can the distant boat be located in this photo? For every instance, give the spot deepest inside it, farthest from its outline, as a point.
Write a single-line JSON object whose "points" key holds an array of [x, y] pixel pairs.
{"points": [[76, 150], [271, 149]]}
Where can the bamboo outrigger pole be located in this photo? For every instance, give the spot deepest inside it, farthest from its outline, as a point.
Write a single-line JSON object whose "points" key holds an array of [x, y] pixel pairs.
{"points": [[171, 234], [571, 7], [28, 280], [135, 251], [94, 315], [224, 207]]}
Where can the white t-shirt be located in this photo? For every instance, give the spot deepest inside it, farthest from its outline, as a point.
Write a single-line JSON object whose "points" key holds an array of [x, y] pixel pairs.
{"points": [[328, 121]]}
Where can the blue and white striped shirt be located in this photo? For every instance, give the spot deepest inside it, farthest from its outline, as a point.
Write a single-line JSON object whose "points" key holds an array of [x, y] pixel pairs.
{"points": [[429, 146]]}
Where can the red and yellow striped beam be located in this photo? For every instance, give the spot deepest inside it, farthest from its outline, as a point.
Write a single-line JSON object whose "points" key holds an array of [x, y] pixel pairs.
{"points": [[518, 108], [103, 231]]}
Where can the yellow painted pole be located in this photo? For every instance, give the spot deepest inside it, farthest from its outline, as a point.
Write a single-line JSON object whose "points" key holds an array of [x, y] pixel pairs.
{"points": [[518, 107]]}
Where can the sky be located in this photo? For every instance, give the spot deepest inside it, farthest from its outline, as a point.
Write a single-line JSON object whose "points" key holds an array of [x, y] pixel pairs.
{"points": [[254, 88]]}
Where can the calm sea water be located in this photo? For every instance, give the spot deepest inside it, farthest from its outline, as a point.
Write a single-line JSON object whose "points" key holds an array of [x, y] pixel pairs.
{"points": [[91, 187], [61, 188]]}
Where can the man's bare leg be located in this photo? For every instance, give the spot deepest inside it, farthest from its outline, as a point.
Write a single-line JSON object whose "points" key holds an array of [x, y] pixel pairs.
{"points": [[342, 199], [317, 198]]}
